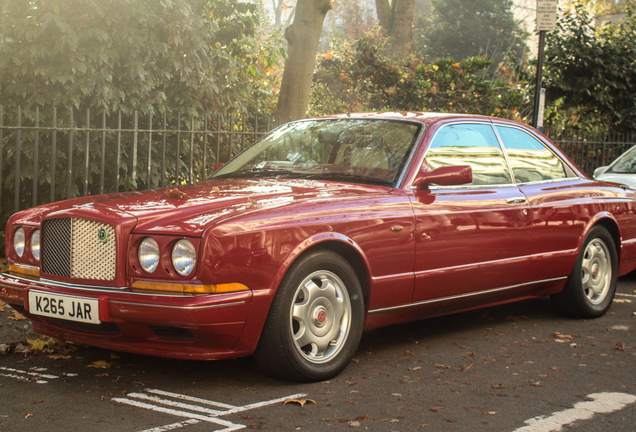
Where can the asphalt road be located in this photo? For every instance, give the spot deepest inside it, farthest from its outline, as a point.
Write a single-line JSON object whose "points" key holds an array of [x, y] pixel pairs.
{"points": [[517, 367]]}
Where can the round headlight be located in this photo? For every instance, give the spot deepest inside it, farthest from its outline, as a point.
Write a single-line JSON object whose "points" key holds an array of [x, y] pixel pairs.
{"points": [[183, 257], [19, 242], [35, 244], [148, 254]]}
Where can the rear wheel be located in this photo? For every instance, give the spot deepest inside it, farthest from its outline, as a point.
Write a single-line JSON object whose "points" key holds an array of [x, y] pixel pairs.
{"points": [[315, 321], [590, 288]]}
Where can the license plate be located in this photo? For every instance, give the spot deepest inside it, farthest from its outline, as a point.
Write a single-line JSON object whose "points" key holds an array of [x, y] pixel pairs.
{"points": [[65, 307]]}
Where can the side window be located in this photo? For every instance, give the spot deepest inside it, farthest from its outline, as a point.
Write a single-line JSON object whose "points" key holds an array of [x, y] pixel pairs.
{"points": [[470, 144], [529, 158]]}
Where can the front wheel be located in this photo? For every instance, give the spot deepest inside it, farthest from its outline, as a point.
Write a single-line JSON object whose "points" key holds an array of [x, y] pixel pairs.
{"points": [[589, 291], [315, 321]]}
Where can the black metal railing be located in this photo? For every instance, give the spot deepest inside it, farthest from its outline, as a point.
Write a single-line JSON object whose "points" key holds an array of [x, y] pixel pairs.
{"points": [[590, 151], [48, 155]]}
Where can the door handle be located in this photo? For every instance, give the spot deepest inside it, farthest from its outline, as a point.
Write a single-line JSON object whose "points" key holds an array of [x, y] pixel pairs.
{"points": [[517, 200]]}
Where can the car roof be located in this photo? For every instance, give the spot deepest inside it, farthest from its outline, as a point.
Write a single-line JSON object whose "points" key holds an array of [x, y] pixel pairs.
{"points": [[422, 117]]}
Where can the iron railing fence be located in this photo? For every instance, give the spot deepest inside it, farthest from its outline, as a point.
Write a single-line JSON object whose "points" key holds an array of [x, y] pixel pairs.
{"points": [[592, 150], [48, 155]]}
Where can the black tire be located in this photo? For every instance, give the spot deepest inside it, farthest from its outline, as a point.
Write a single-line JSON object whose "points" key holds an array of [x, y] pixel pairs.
{"points": [[590, 288], [315, 322]]}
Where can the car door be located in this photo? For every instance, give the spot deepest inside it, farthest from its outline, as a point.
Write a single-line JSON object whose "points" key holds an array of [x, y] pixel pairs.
{"points": [[557, 197], [475, 237]]}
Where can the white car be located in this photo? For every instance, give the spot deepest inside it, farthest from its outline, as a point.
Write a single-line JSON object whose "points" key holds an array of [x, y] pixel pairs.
{"points": [[622, 170]]}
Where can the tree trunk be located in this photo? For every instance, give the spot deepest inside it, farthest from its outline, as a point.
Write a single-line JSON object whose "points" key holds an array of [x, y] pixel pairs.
{"points": [[302, 36], [278, 11], [396, 20]]}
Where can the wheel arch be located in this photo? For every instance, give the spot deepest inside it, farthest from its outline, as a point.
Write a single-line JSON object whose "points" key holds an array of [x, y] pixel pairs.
{"points": [[350, 254], [607, 222]]}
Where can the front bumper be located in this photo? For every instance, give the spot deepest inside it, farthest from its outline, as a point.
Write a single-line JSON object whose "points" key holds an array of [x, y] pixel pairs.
{"points": [[187, 327]]}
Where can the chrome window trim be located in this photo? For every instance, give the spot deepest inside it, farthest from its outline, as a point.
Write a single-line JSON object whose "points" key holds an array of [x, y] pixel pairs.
{"points": [[501, 148], [563, 161], [505, 153], [435, 187]]}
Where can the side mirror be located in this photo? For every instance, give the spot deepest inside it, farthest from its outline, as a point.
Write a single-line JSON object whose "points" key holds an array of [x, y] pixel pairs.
{"points": [[598, 171], [444, 176]]}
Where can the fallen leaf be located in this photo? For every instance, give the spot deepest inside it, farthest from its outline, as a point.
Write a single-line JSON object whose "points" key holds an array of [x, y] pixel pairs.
{"points": [[490, 413], [36, 402], [562, 336], [21, 348], [415, 368], [16, 316], [59, 357], [466, 366], [176, 193], [100, 364], [622, 300], [301, 402], [620, 347], [441, 366], [251, 203], [38, 344]]}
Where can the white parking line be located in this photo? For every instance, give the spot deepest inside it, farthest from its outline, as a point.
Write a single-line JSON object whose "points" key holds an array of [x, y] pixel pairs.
{"points": [[599, 403], [192, 412], [32, 375], [626, 295], [174, 426]]}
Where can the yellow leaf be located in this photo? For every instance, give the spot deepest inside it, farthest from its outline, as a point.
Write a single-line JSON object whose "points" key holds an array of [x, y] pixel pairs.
{"points": [[100, 364], [300, 402], [16, 316], [37, 344]]}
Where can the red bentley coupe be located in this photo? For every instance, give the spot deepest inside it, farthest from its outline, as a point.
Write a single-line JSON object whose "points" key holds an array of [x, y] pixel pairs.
{"points": [[322, 229]]}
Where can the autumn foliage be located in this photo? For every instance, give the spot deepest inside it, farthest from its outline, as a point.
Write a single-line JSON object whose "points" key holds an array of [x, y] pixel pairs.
{"points": [[360, 77]]}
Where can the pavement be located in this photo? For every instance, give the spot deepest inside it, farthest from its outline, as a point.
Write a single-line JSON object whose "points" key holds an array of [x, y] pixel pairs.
{"points": [[14, 329]]}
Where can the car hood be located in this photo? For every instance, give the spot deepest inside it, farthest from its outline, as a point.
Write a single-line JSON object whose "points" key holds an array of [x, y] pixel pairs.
{"points": [[628, 180], [189, 210]]}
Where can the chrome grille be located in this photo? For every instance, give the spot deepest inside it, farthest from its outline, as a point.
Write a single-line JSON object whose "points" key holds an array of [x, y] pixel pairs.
{"points": [[78, 248], [55, 250]]}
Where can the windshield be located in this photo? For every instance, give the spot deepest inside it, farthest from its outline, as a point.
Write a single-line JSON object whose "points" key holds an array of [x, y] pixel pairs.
{"points": [[626, 164], [354, 150]]}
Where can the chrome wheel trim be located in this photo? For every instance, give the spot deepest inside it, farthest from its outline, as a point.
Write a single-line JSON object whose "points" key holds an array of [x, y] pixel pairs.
{"points": [[596, 271], [320, 317]]}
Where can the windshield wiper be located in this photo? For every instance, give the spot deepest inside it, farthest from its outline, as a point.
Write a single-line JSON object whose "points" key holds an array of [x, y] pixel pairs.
{"points": [[349, 177], [257, 173]]}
